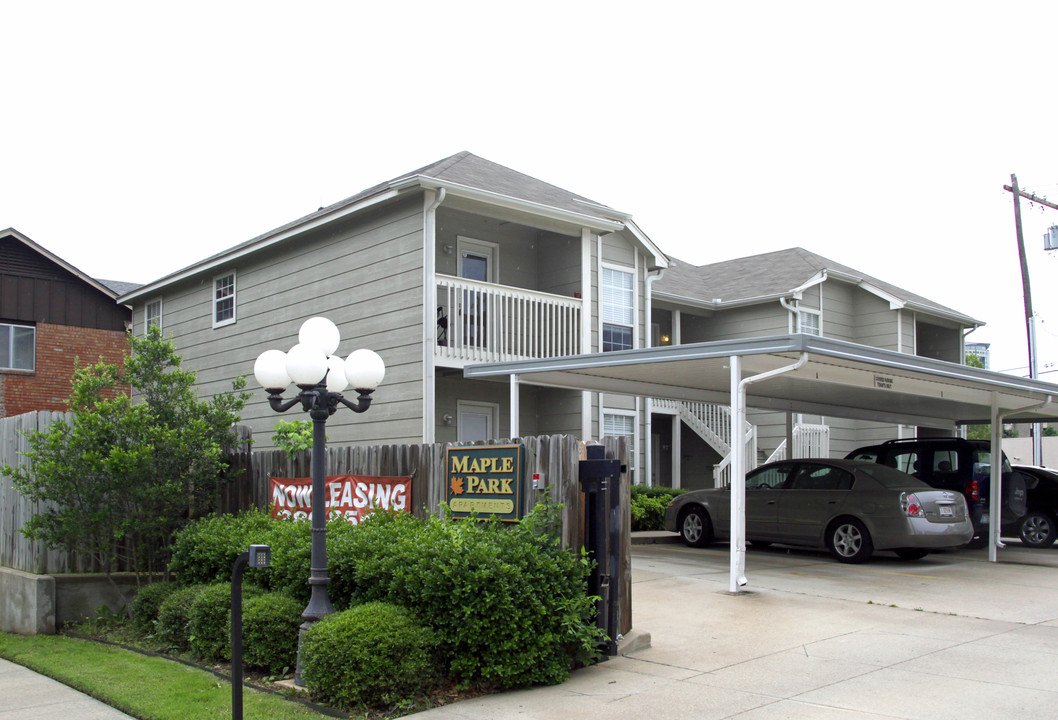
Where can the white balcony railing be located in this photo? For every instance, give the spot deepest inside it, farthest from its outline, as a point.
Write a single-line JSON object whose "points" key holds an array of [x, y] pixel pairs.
{"points": [[485, 322]]}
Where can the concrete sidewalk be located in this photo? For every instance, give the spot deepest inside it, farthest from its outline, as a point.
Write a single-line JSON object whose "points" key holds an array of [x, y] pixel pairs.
{"points": [[29, 696]]}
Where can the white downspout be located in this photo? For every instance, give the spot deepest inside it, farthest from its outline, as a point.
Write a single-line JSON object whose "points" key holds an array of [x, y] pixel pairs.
{"points": [[429, 309], [648, 451], [738, 463]]}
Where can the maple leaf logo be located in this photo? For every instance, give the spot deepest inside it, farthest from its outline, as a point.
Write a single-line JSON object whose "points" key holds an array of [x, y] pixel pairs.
{"points": [[457, 486]]}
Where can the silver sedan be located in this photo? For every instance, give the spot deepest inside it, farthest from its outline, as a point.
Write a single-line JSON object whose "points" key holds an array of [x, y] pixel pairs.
{"points": [[850, 507]]}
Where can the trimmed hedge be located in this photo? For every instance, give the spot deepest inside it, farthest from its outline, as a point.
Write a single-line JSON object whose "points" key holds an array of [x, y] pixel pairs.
{"points": [[270, 625], [174, 618], [146, 604], [370, 655], [508, 603], [209, 622]]}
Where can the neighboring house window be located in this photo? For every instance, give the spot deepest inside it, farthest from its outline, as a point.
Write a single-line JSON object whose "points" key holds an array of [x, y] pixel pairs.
{"points": [[808, 322], [17, 347], [153, 315], [618, 309], [224, 300]]}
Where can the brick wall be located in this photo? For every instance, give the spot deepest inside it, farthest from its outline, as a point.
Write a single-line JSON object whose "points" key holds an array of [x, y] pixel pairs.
{"points": [[59, 349]]}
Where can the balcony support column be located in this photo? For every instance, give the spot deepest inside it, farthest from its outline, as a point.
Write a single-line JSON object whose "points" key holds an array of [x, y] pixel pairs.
{"points": [[515, 431]]}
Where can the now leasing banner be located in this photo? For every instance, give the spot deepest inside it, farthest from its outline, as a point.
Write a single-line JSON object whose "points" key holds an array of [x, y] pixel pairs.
{"points": [[348, 496]]}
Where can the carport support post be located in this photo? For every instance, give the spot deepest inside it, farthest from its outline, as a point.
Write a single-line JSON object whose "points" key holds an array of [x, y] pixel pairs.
{"points": [[995, 502], [738, 477]]}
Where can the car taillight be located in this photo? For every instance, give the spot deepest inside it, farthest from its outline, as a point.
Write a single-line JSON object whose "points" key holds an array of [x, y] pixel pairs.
{"points": [[973, 491], [911, 506]]}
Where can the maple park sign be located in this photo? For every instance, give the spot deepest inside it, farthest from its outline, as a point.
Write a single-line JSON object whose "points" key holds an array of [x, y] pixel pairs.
{"points": [[486, 480]]}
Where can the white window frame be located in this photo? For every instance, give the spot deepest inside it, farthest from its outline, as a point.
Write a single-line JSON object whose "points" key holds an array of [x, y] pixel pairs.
{"points": [[147, 315], [490, 250], [633, 436], [233, 296], [604, 305], [816, 315], [481, 408], [11, 348]]}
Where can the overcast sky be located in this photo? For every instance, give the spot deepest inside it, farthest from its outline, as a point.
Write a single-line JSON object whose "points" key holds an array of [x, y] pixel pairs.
{"points": [[138, 138]]}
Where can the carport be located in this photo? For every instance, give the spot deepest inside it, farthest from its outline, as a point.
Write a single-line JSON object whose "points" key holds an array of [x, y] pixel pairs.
{"points": [[798, 373]]}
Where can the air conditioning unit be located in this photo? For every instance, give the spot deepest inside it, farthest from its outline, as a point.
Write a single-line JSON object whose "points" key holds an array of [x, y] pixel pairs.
{"points": [[1050, 238]]}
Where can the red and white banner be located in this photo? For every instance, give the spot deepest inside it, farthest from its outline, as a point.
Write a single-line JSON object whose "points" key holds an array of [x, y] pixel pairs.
{"points": [[349, 496]]}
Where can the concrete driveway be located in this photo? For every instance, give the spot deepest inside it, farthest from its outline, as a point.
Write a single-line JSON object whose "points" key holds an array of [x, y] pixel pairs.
{"points": [[949, 636]]}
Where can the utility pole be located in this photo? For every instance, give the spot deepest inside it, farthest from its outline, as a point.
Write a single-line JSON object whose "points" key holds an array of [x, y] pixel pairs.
{"points": [[1030, 322]]}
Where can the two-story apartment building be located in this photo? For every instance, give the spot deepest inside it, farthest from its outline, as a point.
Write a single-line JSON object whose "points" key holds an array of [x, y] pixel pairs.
{"points": [[458, 262], [774, 294], [52, 316]]}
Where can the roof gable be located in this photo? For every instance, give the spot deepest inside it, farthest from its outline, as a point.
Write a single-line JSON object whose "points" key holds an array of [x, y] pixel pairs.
{"points": [[463, 174], [768, 276]]}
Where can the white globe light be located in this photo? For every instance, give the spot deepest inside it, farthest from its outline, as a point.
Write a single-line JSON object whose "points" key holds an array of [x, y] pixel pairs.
{"points": [[336, 380], [306, 365], [321, 333], [364, 369], [270, 369]]}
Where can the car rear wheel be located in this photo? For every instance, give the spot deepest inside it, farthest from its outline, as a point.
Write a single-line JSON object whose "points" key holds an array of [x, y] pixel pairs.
{"points": [[911, 553], [849, 541], [696, 528], [1037, 529]]}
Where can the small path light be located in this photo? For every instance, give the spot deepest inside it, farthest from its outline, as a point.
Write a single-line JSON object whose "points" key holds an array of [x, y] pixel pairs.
{"points": [[259, 556], [322, 376]]}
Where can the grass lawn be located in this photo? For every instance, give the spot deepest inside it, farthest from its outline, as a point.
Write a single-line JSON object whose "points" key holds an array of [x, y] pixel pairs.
{"points": [[140, 685]]}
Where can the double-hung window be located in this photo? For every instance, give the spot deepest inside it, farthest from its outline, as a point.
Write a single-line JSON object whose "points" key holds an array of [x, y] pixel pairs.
{"points": [[18, 347], [618, 309], [224, 299], [152, 315]]}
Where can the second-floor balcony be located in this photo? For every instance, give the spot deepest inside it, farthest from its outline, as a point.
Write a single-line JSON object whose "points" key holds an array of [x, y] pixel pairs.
{"points": [[485, 322]]}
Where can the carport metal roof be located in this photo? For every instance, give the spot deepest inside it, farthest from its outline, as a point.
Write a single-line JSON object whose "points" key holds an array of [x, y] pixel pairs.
{"points": [[799, 373]]}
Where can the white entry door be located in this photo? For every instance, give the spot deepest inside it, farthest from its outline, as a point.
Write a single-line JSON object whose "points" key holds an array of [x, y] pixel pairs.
{"points": [[477, 421]]}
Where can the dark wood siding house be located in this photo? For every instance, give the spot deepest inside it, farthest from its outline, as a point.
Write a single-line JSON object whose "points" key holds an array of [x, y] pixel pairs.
{"points": [[52, 318]]}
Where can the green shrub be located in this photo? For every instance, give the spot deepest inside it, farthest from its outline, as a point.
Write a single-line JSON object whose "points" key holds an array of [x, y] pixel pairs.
{"points": [[174, 616], [509, 605], [146, 604], [205, 550], [209, 622], [648, 506], [270, 625], [374, 655]]}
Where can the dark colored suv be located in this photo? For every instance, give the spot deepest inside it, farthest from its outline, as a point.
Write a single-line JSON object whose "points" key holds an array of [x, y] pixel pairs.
{"points": [[954, 464]]}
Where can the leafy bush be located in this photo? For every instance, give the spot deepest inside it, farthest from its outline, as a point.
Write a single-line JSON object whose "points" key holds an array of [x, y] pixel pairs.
{"points": [[370, 655], [174, 617], [270, 625], [209, 622], [648, 506], [205, 550], [507, 602], [146, 604]]}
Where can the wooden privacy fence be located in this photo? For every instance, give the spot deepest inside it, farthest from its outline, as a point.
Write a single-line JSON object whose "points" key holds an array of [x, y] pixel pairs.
{"points": [[555, 457], [16, 551]]}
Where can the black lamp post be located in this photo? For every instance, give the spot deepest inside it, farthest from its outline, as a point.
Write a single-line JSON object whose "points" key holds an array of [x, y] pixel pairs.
{"points": [[321, 376]]}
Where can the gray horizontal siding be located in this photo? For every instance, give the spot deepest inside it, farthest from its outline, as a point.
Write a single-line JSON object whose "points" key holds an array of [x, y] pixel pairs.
{"points": [[365, 275]]}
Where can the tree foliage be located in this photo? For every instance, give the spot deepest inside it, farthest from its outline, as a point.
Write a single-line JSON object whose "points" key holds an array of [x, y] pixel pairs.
{"points": [[977, 432], [125, 474]]}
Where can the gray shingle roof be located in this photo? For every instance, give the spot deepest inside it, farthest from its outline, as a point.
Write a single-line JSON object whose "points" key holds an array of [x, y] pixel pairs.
{"points": [[463, 168], [769, 275]]}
